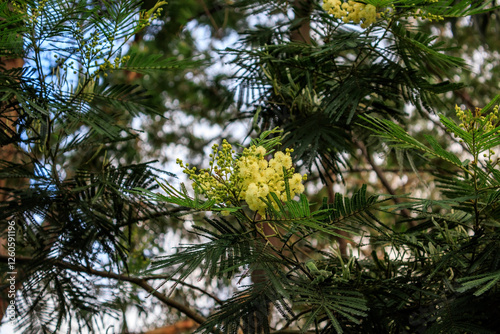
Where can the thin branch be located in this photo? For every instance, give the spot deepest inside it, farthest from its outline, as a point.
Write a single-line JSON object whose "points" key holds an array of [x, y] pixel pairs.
{"points": [[380, 174], [443, 128], [294, 318], [168, 212], [209, 15], [191, 286], [126, 278], [388, 170]]}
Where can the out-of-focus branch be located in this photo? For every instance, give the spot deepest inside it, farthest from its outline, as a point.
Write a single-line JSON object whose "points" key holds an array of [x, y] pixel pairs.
{"points": [[215, 298], [120, 277], [388, 170], [331, 199], [167, 212], [381, 177], [462, 93]]}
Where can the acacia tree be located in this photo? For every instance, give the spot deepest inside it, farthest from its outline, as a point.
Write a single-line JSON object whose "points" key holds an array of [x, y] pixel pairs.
{"points": [[321, 81], [317, 94]]}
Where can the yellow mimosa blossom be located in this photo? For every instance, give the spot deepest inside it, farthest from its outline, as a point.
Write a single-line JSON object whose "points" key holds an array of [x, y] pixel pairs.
{"points": [[249, 177], [352, 11]]}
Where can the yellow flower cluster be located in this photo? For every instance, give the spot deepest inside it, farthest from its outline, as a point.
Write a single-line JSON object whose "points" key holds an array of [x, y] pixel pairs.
{"points": [[260, 177], [423, 14], [477, 121], [146, 17], [107, 65], [357, 12], [36, 12], [218, 182], [248, 177], [92, 49], [352, 11]]}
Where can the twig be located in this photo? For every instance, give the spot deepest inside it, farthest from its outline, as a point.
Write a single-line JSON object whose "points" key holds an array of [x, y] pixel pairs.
{"points": [[126, 278], [217, 300], [405, 212], [167, 213]]}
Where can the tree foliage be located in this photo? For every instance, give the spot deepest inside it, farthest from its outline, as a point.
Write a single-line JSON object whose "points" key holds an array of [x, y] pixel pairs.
{"points": [[88, 205], [64, 124], [435, 277]]}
